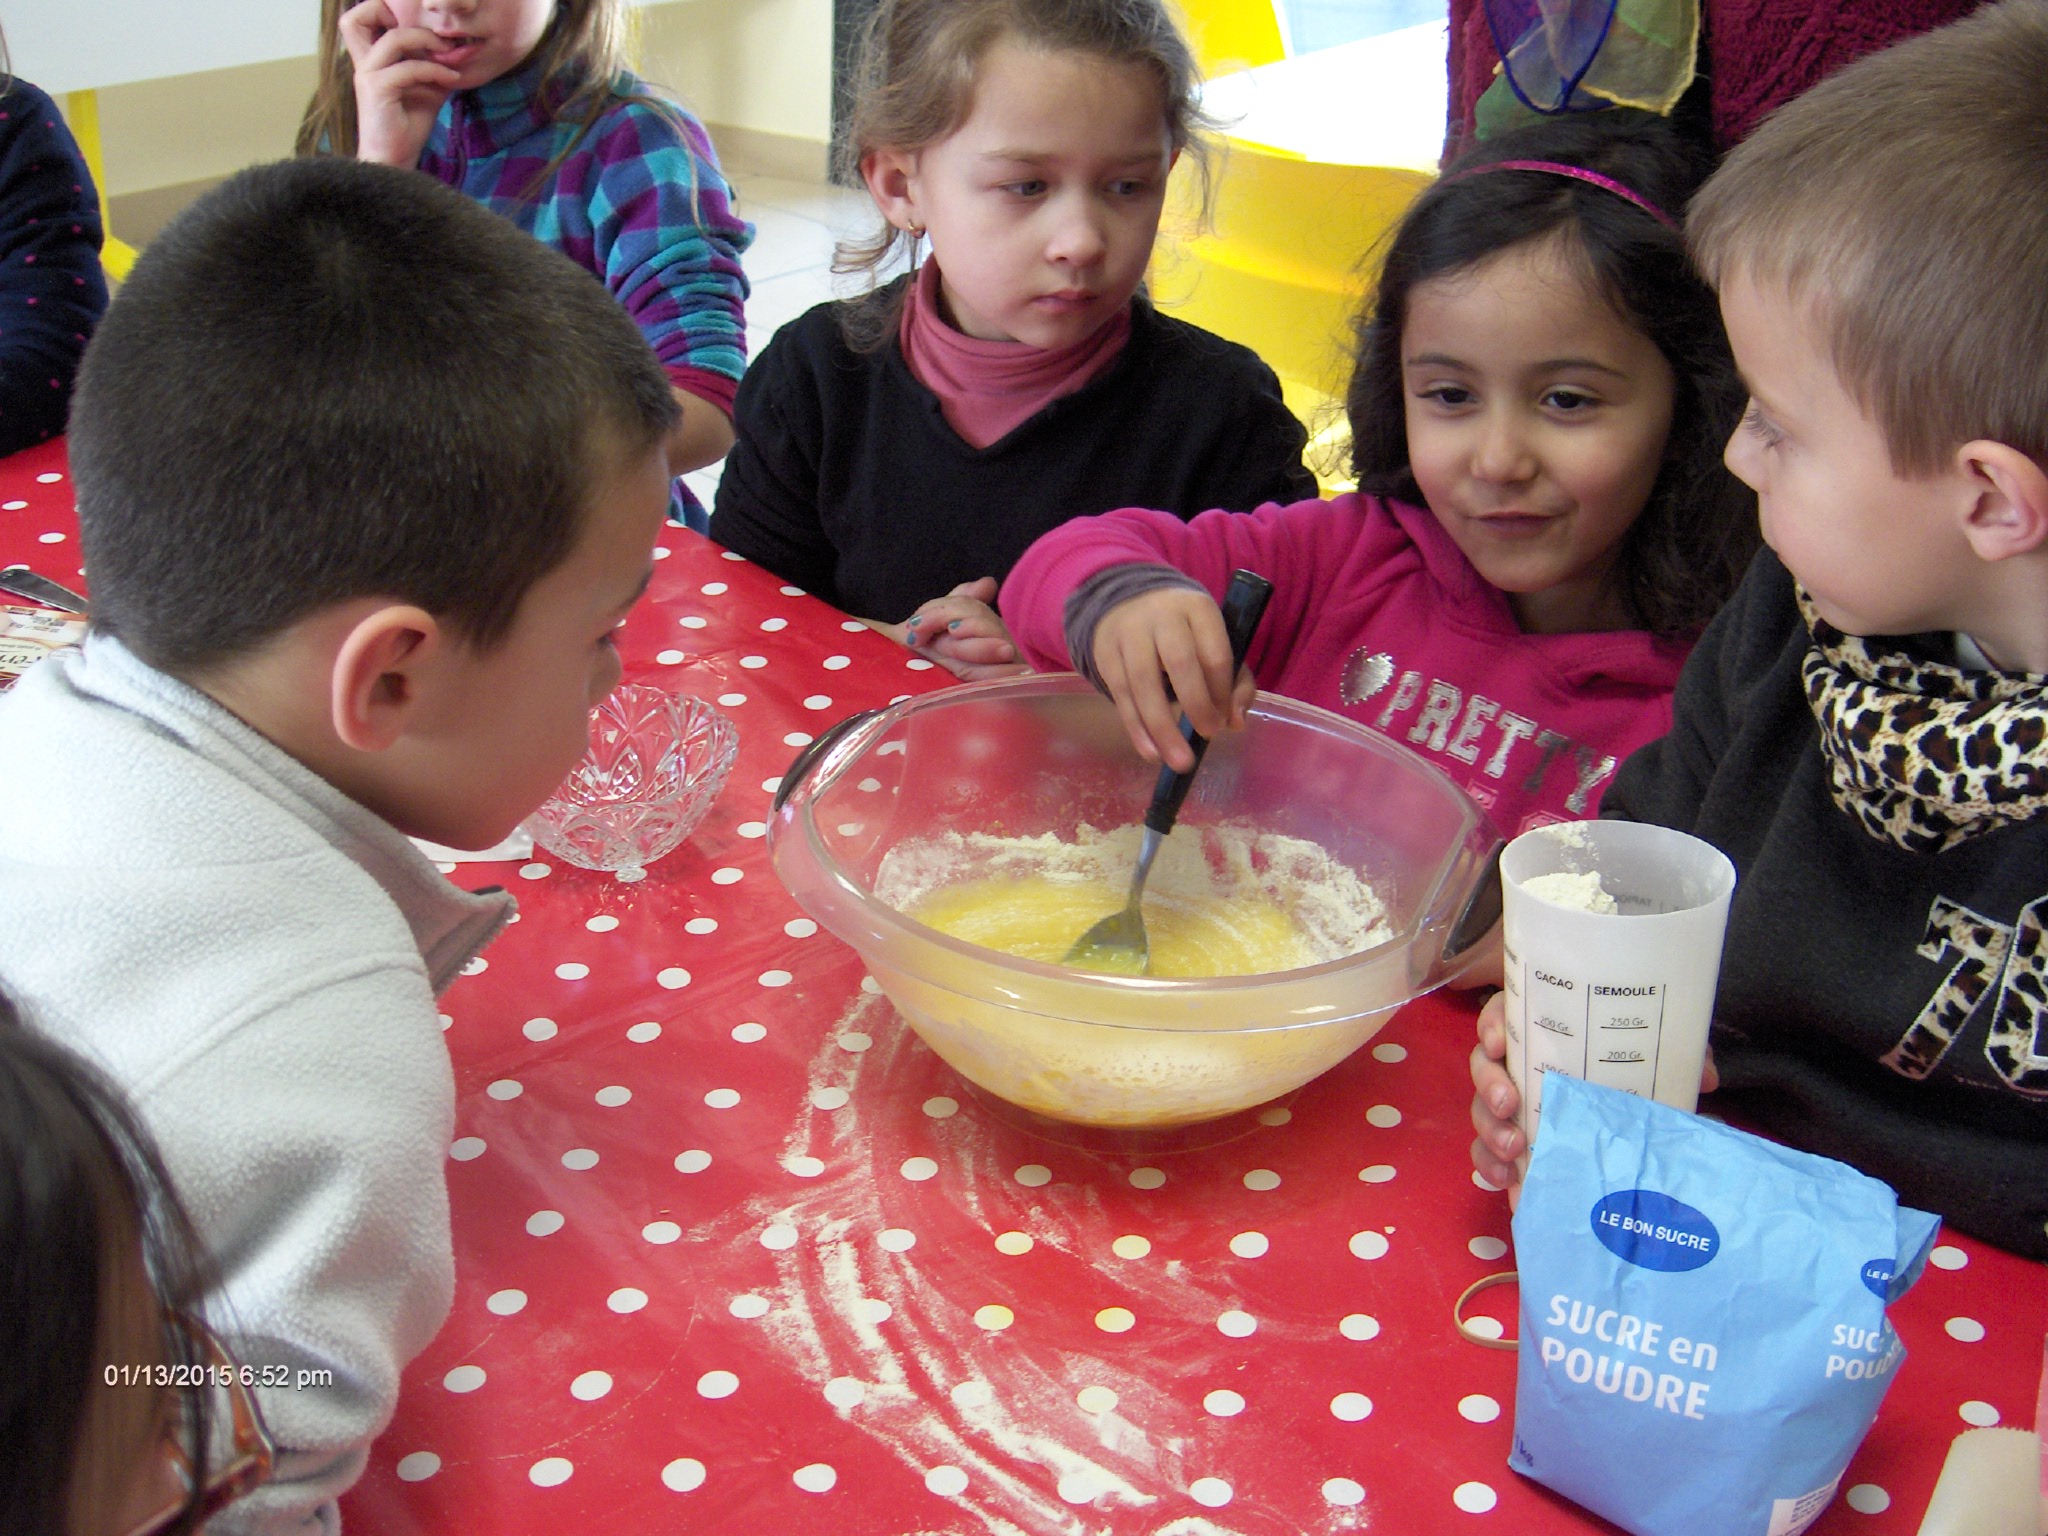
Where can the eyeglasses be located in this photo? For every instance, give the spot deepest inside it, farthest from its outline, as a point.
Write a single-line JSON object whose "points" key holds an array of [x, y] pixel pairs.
{"points": [[251, 1453]]}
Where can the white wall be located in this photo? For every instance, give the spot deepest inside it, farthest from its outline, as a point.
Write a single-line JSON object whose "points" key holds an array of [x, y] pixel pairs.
{"points": [[122, 41], [71, 45], [761, 67], [197, 128]]}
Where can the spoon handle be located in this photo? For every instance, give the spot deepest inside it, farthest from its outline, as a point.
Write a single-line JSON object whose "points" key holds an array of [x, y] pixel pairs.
{"points": [[1244, 604]]}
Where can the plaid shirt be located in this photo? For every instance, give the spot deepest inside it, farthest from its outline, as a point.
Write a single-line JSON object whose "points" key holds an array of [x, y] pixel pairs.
{"points": [[640, 203]]}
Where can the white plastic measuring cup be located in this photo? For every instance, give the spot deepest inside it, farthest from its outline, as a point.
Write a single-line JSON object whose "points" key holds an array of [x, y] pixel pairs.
{"points": [[1623, 997]]}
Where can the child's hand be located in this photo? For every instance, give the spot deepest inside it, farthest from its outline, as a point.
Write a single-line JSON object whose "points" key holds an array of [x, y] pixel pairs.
{"points": [[1495, 1102], [1170, 637], [963, 634], [399, 87]]}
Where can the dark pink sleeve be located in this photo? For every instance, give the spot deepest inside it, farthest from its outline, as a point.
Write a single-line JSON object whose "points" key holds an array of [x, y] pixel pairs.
{"points": [[1295, 547], [705, 385]]}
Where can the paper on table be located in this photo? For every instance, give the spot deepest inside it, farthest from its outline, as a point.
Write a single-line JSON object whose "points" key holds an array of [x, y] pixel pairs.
{"points": [[27, 635], [518, 846], [1990, 1485]]}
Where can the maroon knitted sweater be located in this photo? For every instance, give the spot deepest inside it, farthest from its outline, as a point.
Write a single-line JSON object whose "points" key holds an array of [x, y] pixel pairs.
{"points": [[1754, 54]]}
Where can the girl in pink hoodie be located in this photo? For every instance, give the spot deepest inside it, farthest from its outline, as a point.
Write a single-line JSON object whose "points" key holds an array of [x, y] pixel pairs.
{"points": [[1543, 523]]}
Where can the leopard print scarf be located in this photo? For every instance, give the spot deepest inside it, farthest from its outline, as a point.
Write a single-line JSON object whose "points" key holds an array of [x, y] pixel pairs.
{"points": [[1923, 754]]}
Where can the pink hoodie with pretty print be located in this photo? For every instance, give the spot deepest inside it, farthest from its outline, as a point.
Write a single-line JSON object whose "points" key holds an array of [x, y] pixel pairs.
{"points": [[1376, 614]]}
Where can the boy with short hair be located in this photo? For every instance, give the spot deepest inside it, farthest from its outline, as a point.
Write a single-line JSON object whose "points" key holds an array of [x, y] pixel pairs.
{"points": [[1864, 730], [366, 478]]}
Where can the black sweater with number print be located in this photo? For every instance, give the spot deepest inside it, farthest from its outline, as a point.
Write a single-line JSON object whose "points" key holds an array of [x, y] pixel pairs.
{"points": [[1880, 1006], [847, 480]]}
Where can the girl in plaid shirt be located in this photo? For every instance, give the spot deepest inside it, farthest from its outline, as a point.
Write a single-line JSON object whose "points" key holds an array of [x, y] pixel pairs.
{"points": [[526, 106]]}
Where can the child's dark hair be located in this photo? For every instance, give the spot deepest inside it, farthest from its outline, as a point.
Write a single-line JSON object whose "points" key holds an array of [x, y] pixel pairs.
{"points": [[1683, 556], [82, 1195], [913, 77], [329, 380]]}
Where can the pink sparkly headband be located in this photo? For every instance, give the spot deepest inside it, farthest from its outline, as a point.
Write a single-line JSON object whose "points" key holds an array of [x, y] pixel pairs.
{"points": [[1578, 173]]}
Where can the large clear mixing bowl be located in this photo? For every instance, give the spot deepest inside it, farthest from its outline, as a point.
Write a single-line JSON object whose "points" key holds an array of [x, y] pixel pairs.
{"points": [[1027, 756]]}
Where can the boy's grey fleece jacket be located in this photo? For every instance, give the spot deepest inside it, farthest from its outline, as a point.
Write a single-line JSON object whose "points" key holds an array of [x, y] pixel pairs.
{"points": [[253, 957]]}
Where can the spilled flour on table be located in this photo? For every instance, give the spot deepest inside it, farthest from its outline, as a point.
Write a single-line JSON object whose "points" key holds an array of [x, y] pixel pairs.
{"points": [[910, 1365]]}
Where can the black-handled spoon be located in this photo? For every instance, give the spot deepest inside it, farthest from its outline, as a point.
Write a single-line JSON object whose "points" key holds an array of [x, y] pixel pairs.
{"points": [[1118, 942]]}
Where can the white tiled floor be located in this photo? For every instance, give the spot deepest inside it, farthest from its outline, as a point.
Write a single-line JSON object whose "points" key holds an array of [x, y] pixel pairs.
{"points": [[795, 227], [789, 265]]}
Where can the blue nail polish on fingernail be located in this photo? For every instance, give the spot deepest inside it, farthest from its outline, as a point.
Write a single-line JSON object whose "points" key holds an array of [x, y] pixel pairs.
{"points": [[953, 626]]}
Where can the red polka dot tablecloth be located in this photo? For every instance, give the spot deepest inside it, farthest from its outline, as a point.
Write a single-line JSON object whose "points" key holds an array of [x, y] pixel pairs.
{"points": [[734, 1251]]}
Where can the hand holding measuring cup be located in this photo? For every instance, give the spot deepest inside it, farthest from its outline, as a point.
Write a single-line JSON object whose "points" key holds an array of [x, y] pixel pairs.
{"points": [[1612, 945], [1497, 1107]]}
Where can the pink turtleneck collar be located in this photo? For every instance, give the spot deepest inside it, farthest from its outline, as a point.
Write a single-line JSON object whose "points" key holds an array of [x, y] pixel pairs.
{"points": [[987, 389]]}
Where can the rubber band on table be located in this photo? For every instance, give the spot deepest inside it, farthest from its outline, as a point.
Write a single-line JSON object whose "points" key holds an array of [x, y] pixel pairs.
{"points": [[1465, 1329]]}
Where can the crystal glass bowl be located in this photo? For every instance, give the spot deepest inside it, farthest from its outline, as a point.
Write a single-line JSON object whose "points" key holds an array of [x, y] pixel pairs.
{"points": [[656, 762], [1024, 757]]}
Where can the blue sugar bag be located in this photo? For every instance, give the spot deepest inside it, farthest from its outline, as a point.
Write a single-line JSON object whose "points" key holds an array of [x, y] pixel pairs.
{"points": [[1703, 1332]]}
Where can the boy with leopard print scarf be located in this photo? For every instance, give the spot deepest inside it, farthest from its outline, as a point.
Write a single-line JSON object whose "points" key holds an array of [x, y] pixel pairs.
{"points": [[1864, 729]]}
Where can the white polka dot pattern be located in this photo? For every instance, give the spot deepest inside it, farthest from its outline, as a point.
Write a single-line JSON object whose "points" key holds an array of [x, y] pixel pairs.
{"points": [[683, 1475], [1867, 1499], [1474, 1498], [1369, 1245], [730, 1244]]}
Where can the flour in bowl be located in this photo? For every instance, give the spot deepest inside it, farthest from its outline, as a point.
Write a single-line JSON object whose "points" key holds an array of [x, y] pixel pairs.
{"points": [[1106, 1051], [1222, 900]]}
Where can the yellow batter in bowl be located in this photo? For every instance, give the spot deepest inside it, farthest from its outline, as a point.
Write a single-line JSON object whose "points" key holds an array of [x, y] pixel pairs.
{"points": [[1222, 902], [1199, 934], [1365, 848]]}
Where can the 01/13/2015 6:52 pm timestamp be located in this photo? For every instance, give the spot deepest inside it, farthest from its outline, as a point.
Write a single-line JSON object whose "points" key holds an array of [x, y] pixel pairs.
{"points": [[161, 1375]]}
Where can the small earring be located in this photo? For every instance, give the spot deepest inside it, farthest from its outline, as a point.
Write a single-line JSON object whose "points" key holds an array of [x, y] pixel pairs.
{"points": [[915, 231]]}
